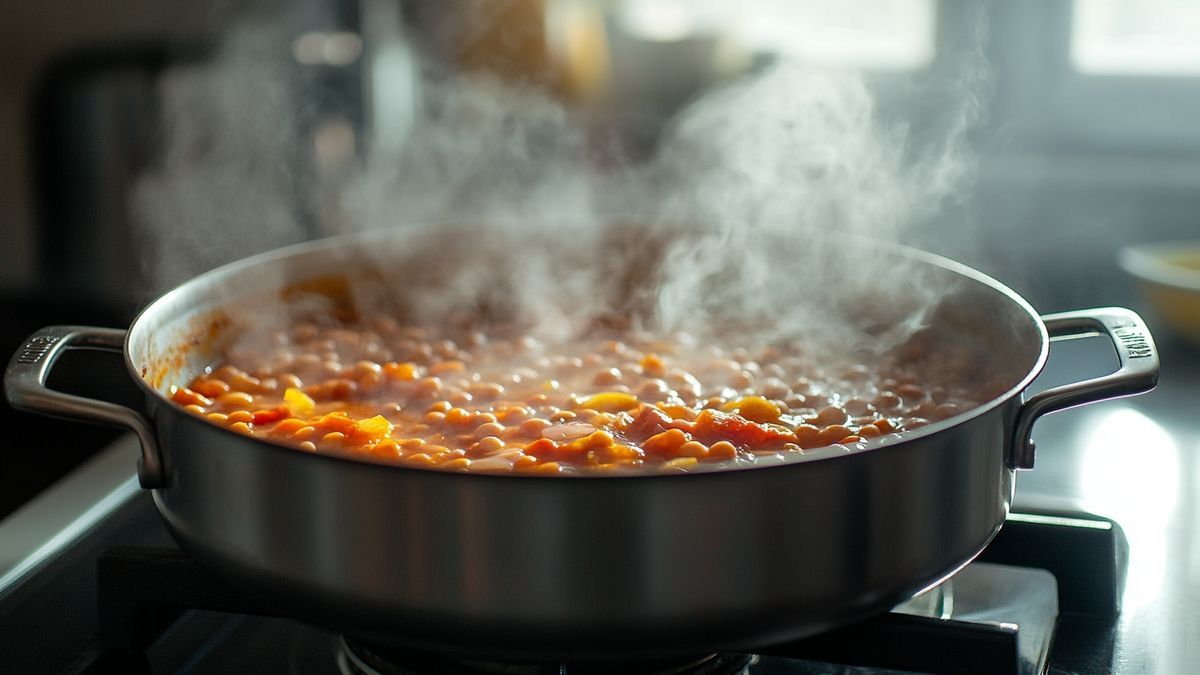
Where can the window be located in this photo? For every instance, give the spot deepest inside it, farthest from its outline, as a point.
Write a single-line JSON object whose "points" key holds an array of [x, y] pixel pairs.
{"points": [[880, 34], [1136, 37]]}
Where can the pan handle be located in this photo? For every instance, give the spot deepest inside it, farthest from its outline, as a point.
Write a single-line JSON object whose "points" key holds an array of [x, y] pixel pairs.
{"points": [[25, 387], [1138, 372]]}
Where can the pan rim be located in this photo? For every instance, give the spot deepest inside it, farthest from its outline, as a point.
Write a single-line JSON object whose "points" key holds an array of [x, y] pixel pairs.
{"points": [[828, 453]]}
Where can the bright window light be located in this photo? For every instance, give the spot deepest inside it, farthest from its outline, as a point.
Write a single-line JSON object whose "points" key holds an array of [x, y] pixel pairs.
{"points": [[886, 34], [1136, 37]]}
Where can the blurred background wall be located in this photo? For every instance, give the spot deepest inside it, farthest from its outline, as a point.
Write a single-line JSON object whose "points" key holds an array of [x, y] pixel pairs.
{"points": [[1088, 136]]}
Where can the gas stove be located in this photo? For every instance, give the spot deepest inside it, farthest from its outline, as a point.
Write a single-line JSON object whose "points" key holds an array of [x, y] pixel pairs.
{"points": [[122, 598], [1059, 590]]}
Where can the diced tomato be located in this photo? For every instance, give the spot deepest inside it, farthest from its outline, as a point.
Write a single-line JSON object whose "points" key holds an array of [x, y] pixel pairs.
{"points": [[648, 422], [269, 416], [541, 448], [713, 425]]}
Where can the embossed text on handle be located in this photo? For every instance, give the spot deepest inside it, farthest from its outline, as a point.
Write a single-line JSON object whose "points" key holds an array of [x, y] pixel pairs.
{"points": [[1134, 342], [36, 348]]}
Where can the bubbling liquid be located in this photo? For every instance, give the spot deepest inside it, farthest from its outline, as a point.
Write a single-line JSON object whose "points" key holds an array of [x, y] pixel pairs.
{"points": [[618, 401]]}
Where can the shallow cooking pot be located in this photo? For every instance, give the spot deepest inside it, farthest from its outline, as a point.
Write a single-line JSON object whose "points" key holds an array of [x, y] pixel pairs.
{"points": [[528, 566]]}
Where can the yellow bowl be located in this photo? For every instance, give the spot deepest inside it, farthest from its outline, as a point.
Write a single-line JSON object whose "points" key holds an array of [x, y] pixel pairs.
{"points": [[1169, 276]]}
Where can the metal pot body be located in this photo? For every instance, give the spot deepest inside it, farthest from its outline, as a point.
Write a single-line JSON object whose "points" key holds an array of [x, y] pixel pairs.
{"points": [[525, 566]]}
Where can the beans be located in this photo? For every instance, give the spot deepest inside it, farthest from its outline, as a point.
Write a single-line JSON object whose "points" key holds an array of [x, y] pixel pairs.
{"points": [[832, 434], [303, 433], [886, 400], [210, 388], [722, 450], [534, 427], [945, 411], [429, 386], [608, 376], [186, 397], [446, 367], [513, 414], [482, 418], [466, 401], [489, 444], [808, 436], [856, 407], [489, 429], [487, 391], [831, 415], [775, 388], [653, 390]]}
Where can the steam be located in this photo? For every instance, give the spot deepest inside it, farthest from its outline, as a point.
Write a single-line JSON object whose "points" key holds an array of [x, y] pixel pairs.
{"points": [[223, 186], [743, 188]]}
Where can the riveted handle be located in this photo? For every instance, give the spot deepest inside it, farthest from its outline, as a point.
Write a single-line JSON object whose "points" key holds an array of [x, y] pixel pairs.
{"points": [[25, 387], [1137, 374]]}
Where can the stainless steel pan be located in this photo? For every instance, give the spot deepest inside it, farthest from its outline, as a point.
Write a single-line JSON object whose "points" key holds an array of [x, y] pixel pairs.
{"points": [[528, 566]]}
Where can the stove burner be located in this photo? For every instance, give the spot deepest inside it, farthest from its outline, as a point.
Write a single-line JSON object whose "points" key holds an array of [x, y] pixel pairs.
{"points": [[354, 658]]}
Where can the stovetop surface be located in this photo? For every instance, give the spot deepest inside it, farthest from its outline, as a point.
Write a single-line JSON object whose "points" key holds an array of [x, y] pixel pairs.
{"points": [[1132, 460]]}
